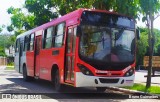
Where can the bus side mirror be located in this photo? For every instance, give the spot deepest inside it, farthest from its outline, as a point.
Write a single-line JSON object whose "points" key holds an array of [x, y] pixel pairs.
{"points": [[138, 33]]}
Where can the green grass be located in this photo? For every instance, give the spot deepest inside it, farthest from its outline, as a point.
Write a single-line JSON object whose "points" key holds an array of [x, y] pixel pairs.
{"points": [[141, 87], [10, 68]]}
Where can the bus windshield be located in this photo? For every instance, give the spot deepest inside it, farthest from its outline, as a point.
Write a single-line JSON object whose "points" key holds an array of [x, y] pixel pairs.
{"points": [[107, 38], [107, 44]]}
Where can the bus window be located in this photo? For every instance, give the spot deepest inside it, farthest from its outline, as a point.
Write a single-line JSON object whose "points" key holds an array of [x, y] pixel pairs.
{"points": [[48, 38], [26, 43], [31, 42], [60, 29], [17, 46]]}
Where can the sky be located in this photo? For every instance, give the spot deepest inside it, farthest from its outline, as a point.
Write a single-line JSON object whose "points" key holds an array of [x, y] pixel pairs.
{"points": [[4, 5], [5, 17]]}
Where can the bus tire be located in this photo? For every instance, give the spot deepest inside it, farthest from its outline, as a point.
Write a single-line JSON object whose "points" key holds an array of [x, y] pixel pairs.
{"points": [[58, 86], [101, 89], [25, 76]]}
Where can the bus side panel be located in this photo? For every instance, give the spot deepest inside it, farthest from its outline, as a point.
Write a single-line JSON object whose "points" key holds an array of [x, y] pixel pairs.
{"points": [[16, 56], [23, 61], [30, 62], [59, 59], [50, 57], [45, 63], [16, 61]]}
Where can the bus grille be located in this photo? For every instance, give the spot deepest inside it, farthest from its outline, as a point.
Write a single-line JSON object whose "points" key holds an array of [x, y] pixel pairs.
{"points": [[102, 80]]}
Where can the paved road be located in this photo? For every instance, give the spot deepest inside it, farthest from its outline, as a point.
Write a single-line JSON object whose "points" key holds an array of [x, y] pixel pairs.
{"points": [[12, 82], [140, 77]]}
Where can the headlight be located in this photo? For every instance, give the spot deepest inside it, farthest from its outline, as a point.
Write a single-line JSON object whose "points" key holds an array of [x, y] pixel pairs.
{"points": [[85, 70], [129, 72]]}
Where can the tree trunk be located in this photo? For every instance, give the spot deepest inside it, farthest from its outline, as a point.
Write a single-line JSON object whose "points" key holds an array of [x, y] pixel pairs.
{"points": [[151, 47]]}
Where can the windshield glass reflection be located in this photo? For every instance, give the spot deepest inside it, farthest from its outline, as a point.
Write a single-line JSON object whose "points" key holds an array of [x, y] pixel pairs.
{"points": [[107, 44]]}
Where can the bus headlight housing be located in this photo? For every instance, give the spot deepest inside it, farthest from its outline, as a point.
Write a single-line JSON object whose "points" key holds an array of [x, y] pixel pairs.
{"points": [[129, 72], [84, 70]]}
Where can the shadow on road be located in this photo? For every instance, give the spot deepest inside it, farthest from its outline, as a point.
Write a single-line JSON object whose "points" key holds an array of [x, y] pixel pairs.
{"points": [[46, 89]]}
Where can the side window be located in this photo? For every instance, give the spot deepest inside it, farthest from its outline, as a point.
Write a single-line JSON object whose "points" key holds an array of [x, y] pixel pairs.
{"points": [[48, 38], [17, 46], [27, 43], [59, 34], [31, 42]]}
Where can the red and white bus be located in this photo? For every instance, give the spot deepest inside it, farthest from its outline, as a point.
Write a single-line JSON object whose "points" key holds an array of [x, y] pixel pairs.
{"points": [[85, 48]]}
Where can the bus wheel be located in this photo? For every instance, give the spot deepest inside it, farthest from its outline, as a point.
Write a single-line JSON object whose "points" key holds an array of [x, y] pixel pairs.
{"points": [[101, 89], [25, 76], [58, 85]]}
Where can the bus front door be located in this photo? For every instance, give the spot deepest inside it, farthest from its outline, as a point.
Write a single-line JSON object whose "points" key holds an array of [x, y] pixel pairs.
{"points": [[70, 55]]}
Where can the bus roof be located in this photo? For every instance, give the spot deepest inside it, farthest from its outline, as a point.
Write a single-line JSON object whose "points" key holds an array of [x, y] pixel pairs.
{"points": [[76, 13]]}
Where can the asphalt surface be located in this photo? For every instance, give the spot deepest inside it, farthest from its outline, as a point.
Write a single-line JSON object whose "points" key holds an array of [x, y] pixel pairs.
{"points": [[12, 82], [140, 77]]}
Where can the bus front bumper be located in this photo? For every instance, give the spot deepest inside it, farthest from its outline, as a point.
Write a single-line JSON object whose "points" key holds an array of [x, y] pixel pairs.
{"points": [[94, 81]]}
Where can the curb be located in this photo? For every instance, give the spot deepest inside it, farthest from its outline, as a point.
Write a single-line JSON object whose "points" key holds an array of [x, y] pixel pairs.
{"points": [[131, 91]]}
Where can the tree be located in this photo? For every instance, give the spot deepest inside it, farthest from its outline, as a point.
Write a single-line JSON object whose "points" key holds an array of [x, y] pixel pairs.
{"points": [[2, 53], [6, 41], [127, 7], [150, 8], [65, 6], [20, 20], [0, 29], [42, 10], [156, 41], [142, 46]]}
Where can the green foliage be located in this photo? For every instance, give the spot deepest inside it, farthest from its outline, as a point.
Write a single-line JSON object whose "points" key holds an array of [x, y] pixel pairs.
{"points": [[6, 41], [42, 10], [127, 7], [10, 28], [2, 53], [0, 29], [20, 20], [10, 64], [66, 6], [142, 45], [18, 32], [141, 87], [157, 42], [149, 6]]}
